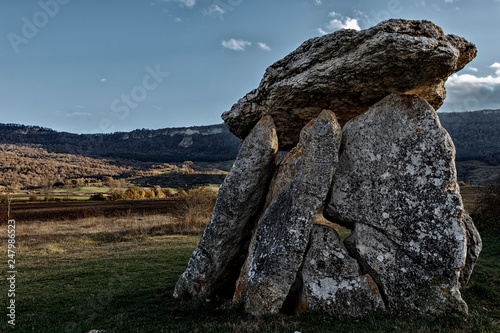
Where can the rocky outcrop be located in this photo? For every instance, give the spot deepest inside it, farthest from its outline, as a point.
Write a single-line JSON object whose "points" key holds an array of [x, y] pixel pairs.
{"points": [[347, 72], [332, 280], [396, 181], [389, 172], [277, 250], [215, 263]]}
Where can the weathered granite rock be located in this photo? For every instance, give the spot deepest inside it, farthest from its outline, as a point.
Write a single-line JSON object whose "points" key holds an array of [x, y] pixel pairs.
{"points": [[396, 181], [347, 72], [332, 280], [214, 265], [408, 286], [277, 249], [474, 247]]}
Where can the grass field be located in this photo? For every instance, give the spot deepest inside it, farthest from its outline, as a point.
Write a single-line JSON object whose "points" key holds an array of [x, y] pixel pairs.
{"points": [[118, 274]]}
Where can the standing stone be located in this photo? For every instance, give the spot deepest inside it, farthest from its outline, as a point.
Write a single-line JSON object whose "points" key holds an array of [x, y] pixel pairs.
{"points": [[474, 247], [277, 249], [214, 265], [396, 181], [332, 280], [347, 72]]}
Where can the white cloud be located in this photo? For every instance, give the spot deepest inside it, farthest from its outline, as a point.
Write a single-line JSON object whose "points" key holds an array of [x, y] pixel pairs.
{"points": [[448, 1], [467, 92], [460, 81], [321, 31], [318, 2], [183, 3], [236, 44], [339, 22], [78, 114], [264, 46], [496, 66], [241, 45], [472, 69], [178, 20], [215, 10], [103, 80], [347, 23]]}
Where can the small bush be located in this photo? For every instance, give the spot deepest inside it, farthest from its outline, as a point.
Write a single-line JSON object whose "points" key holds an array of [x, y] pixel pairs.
{"points": [[33, 198], [158, 192], [97, 197], [117, 195], [149, 194], [168, 192], [196, 208], [132, 193]]}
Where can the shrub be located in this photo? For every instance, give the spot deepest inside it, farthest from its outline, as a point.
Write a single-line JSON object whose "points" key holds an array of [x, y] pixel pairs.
{"points": [[33, 198], [132, 193], [149, 194], [196, 208], [168, 192], [159, 192], [486, 215], [117, 195], [97, 197]]}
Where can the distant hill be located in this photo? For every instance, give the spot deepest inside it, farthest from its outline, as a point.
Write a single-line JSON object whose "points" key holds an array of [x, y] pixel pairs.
{"points": [[476, 134], [198, 143]]}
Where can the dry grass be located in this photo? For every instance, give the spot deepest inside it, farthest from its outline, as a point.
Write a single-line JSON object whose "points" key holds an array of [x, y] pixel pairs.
{"points": [[196, 208], [97, 227]]}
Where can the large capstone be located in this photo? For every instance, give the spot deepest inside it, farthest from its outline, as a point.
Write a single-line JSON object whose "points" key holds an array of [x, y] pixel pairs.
{"points": [[214, 265], [396, 182], [277, 249], [347, 72]]}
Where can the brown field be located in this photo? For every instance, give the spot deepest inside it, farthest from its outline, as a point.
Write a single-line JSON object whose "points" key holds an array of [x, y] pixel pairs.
{"points": [[72, 210]]}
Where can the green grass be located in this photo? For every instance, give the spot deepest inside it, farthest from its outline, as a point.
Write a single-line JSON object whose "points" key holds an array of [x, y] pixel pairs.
{"points": [[126, 285], [84, 190]]}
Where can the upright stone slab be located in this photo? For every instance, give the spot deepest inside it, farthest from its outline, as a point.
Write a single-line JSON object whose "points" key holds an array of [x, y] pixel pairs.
{"points": [[474, 247], [277, 249], [396, 181], [214, 265], [332, 280]]}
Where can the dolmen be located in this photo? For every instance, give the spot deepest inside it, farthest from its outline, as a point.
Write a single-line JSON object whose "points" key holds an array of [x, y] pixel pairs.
{"points": [[355, 112]]}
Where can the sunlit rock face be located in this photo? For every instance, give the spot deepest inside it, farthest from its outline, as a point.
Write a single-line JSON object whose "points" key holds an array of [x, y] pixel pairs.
{"points": [[396, 182], [214, 265], [277, 250], [347, 72]]}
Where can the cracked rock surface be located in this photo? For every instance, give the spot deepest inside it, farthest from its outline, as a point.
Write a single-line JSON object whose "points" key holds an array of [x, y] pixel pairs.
{"points": [[388, 175], [215, 263], [277, 249], [332, 280], [396, 182], [347, 72]]}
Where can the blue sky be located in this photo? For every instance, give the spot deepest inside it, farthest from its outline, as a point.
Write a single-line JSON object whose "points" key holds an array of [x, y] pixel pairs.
{"points": [[89, 66]]}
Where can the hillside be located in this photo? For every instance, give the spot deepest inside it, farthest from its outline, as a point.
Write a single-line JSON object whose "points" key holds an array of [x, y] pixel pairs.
{"points": [[476, 135], [199, 143], [40, 152]]}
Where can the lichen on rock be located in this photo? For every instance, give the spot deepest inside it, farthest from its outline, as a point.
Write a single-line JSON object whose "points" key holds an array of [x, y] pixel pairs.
{"points": [[347, 72]]}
